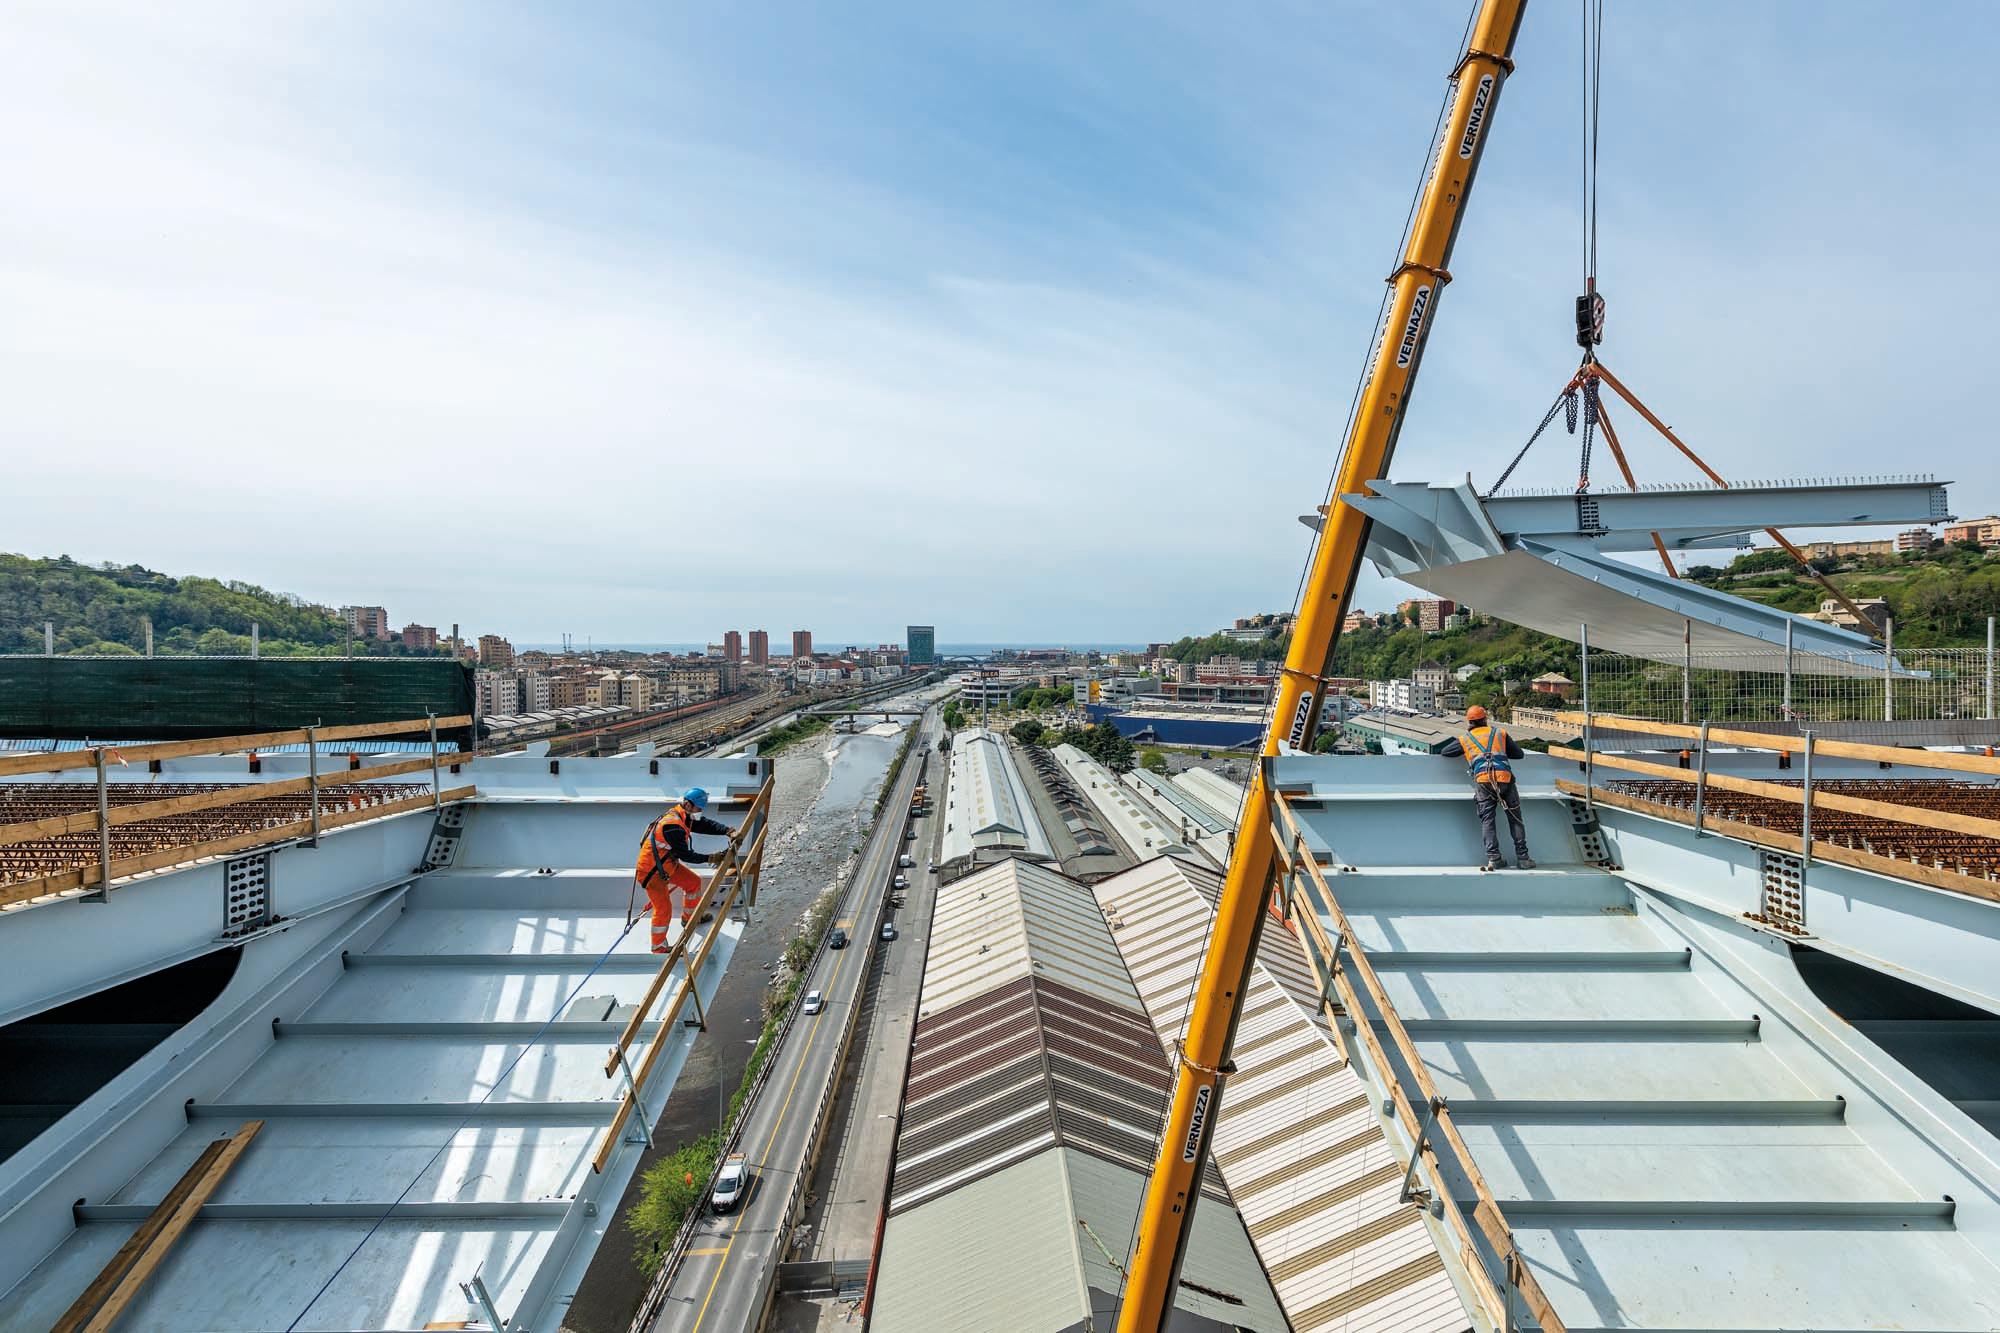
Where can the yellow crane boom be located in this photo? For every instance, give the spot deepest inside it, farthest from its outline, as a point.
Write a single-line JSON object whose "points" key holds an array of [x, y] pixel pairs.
{"points": [[1168, 1210]]}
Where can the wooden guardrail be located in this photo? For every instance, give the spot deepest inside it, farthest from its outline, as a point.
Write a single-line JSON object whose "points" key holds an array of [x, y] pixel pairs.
{"points": [[58, 761], [1764, 740], [87, 876], [678, 949], [1426, 1116], [739, 870], [106, 817], [1919, 815]]}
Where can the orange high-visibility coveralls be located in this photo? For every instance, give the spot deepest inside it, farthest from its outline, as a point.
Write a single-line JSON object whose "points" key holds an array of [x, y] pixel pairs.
{"points": [[660, 868]]}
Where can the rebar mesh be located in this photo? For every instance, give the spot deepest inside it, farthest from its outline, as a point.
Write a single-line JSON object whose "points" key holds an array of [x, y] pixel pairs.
{"points": [[1941, 849], [23, 802]]}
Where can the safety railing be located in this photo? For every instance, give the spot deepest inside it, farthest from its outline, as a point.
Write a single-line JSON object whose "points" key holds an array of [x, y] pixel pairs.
{"points": [[738, 867], [1808, 795], [1345, 976], [350, 798]]}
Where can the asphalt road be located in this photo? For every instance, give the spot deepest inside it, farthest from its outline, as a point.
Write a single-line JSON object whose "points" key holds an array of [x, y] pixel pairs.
{"points": [[722, 1281], [852, 1180]]}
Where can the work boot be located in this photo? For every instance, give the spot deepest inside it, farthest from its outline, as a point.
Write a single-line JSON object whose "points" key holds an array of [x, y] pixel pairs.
{"points": [[1525, 861], [1494, 863], [705, 918]]}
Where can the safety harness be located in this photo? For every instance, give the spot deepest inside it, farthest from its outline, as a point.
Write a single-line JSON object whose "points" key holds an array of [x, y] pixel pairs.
{"points": [[1488, 758], [662, 853]]}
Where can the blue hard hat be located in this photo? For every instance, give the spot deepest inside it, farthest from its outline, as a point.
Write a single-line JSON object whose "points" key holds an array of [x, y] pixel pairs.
{"points": [[696, 797]]}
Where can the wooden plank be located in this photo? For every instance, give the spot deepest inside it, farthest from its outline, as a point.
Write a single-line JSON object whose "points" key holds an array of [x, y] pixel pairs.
{"points": [[1759, 740], [1929, 876], [120, 1263], [84, 821], [84, 876], [1922, 816], [51, 761], [170, 1231]]}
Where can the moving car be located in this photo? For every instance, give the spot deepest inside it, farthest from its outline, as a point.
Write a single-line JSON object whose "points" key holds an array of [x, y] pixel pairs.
{"points": [[730, 1183], [814, 1002], [837, 940], [888, 930]]}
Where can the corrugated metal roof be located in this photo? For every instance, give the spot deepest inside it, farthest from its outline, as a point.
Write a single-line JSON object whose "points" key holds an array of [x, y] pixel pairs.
{"points": [[987, 807], [1298, 1139], [1012, 920], [1036, 1091], [1218, 794], [1040, 1245], [1136, 825]]}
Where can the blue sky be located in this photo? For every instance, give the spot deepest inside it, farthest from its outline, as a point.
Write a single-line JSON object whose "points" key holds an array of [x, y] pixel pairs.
{"points": [[1032, 321]]}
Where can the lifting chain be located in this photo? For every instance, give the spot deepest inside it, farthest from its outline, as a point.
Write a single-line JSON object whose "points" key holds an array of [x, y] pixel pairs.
{"points": [[1590, 412]]}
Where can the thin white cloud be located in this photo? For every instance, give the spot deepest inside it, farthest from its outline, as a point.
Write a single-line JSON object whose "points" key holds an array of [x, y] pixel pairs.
{"points": [[277, 302]]}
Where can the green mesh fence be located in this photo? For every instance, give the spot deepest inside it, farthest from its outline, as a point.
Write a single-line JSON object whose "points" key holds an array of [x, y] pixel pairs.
{"points": [[178, 698]]}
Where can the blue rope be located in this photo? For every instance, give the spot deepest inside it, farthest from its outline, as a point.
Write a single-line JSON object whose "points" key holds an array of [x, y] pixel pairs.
{"points": [[452, 1137]]}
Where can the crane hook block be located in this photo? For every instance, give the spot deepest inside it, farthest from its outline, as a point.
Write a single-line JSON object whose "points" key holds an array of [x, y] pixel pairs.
{"points": [[1589, 319]]}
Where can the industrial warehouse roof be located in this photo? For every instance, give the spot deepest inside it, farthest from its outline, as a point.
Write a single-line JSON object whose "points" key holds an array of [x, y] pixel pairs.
{"points": [[1040, 1246], [1298, 1139], [1222, 797], [987, 807], [1082, 847], [1201, 817], [1013, 921], [1415, 730], [1135, 824], [1036, 1091]]}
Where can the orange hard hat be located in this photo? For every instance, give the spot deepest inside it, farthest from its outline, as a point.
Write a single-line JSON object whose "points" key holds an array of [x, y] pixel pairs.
{"points": [[1475, 714]]}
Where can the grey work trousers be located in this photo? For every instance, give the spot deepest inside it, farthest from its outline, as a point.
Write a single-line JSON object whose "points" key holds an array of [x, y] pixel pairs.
{"points": [[1487, 796]]}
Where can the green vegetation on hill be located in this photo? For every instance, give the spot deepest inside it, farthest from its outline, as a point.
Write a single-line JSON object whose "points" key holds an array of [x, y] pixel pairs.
{"points": [[101, 609], [1940, 598], [1272, 647]]}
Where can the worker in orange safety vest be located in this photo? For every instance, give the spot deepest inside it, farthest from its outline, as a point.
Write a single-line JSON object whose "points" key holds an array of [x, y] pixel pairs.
{"points": [[1486, 750], [666, 855]]}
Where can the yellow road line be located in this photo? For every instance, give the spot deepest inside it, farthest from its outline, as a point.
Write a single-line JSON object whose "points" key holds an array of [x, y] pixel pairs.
{"points": [[712, 1249], [783, 1111]]}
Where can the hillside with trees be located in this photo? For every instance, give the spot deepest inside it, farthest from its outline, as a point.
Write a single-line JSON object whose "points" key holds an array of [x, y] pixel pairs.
{"points": [[101, 609], [1940, 598]]}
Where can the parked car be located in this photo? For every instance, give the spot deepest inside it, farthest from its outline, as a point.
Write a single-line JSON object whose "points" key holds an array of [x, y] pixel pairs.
{"points": [[906, 860], [814, 1002], [837, 940], [730, 1184], [902, 882], [888, 930]]}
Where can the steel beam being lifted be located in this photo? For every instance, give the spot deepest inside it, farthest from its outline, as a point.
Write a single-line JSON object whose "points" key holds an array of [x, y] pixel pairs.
{"points": [[1697, 516], [1549, 562]]}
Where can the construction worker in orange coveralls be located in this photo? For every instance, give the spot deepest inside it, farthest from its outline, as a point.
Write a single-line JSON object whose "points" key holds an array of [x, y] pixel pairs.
{"points": [[666, 855]]}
